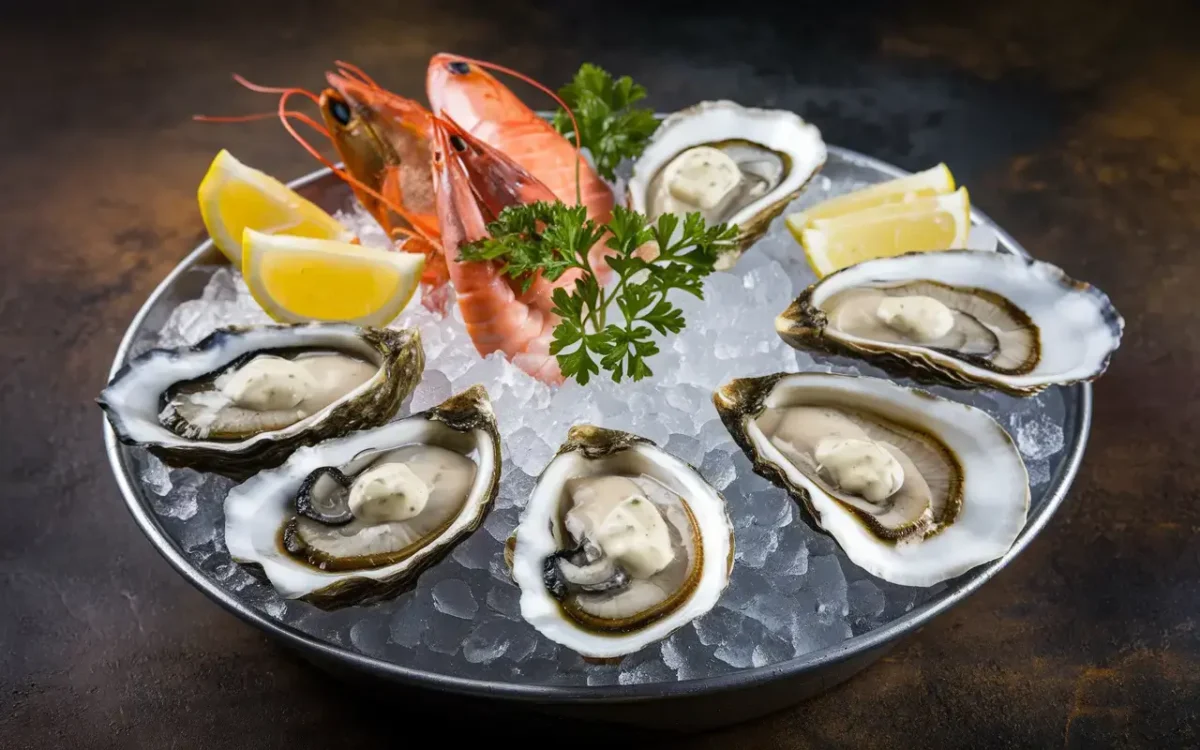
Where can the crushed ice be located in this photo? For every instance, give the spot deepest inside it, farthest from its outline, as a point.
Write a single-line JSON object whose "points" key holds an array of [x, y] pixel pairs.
{"points": [[792, 590]]}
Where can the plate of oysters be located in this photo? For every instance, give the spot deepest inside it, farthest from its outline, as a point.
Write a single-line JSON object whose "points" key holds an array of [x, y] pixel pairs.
{"points": [[678, 418]]}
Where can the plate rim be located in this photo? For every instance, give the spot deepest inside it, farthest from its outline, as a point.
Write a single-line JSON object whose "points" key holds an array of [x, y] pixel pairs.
{"points": [[119, 458]]}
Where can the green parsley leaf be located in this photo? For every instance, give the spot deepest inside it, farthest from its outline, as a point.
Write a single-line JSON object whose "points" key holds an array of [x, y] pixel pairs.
{"points": [[553, 237], [609, 128]]}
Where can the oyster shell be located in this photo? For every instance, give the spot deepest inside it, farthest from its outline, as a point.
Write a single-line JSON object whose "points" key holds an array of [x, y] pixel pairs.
{"points": [[1017, 325], [177, 403], [315, 543], [620, 544], [775, 154], [916, 489]]}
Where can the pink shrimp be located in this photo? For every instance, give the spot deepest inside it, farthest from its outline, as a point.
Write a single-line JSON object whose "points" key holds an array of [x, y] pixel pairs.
{"points": [[472, 182]]}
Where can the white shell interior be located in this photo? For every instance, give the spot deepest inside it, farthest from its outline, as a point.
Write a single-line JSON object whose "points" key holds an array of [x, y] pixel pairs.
{"points": [[535, 541], [710, 122], [1078, 328], [136, 397], [256, 509], [995, 483]]}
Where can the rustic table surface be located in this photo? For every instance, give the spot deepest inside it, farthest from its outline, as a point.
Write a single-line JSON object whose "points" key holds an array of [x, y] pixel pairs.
{"points": [[1075, 125]]}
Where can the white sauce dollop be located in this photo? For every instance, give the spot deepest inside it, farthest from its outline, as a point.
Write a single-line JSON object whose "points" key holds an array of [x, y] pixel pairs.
{"points": [[388, 492], [860, 467], [615, 514], [918, 317], [700, 179], [268, 383]]}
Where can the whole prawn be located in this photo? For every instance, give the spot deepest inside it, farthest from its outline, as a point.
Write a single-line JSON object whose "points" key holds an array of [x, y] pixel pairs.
{"points": [[472, 181], [433, 184]]}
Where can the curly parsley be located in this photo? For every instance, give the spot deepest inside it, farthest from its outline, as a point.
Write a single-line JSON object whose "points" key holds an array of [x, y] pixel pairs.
{"points": [[609, 127], [552, 238]]}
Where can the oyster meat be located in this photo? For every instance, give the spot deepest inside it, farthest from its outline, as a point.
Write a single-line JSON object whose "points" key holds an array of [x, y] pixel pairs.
{"points": [[962, 318], [916, 489], [355, 519], [244, 398], [732, 164], [619, 545]]}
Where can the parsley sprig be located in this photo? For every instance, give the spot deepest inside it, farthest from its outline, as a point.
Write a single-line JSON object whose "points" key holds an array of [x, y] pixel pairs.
{"points": [[609, 127], [553, 238]]}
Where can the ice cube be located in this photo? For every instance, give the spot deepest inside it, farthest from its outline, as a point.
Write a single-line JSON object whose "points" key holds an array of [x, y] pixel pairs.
{"points": [[828, 583], [475, 552], [155, 475], [718, 625], [770, 650], [515, 487], [181, 500], [501, 523], [713, 436], [529, 451], [487, 642], [649, 671], [685, 448], [1038, 436], [775, 611], [865, 600], [274, 608], [717, 468], [453, 597], [433, 389], [369, 636], [505, 600], [522, 644], [753, 544], [1039, 472], [737, 652], [412, 618], [605, 674], [447, 634]]}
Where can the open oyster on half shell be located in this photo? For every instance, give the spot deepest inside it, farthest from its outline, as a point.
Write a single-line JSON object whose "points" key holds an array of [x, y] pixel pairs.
{"points": [[962, 318], [244, 398], [355, 519], [620, 544], [732, 164], [916, 489]]}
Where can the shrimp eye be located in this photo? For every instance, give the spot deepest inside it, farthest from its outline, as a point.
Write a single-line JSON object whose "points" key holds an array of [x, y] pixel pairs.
{"points": [[458, 68], [458, 143], [340, 110]]}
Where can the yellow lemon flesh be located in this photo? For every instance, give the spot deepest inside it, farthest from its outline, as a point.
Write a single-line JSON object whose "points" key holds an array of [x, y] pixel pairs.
{"points": [[939, 222], [299, 279], [934, 181], [234, 197]]}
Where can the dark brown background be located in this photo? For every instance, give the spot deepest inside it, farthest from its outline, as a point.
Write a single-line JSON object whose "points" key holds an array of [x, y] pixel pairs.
{"points": [[1076, 125]]}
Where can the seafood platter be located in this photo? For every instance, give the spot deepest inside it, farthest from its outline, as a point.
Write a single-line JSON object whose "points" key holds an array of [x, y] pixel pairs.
{"points": [[669, 419]]}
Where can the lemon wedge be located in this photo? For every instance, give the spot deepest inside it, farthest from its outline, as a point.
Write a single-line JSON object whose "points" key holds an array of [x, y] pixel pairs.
{"points": [[939, 222], [933, 181], [300, 279], [234, 197]]}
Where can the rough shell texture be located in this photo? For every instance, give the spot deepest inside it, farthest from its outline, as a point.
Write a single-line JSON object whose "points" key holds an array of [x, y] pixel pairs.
{"points": [[1076, 321], [995, 482], [255, 510], [131, 399]]}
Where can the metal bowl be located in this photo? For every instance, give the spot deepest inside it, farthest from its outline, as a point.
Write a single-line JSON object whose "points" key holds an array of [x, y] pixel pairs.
{"points": [[692, 704]]}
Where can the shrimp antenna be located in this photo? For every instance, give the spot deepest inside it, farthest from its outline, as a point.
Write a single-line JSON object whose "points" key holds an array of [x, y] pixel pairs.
{"points": [[521, 76], [286, 116], [264, 116], [350, 70]]}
